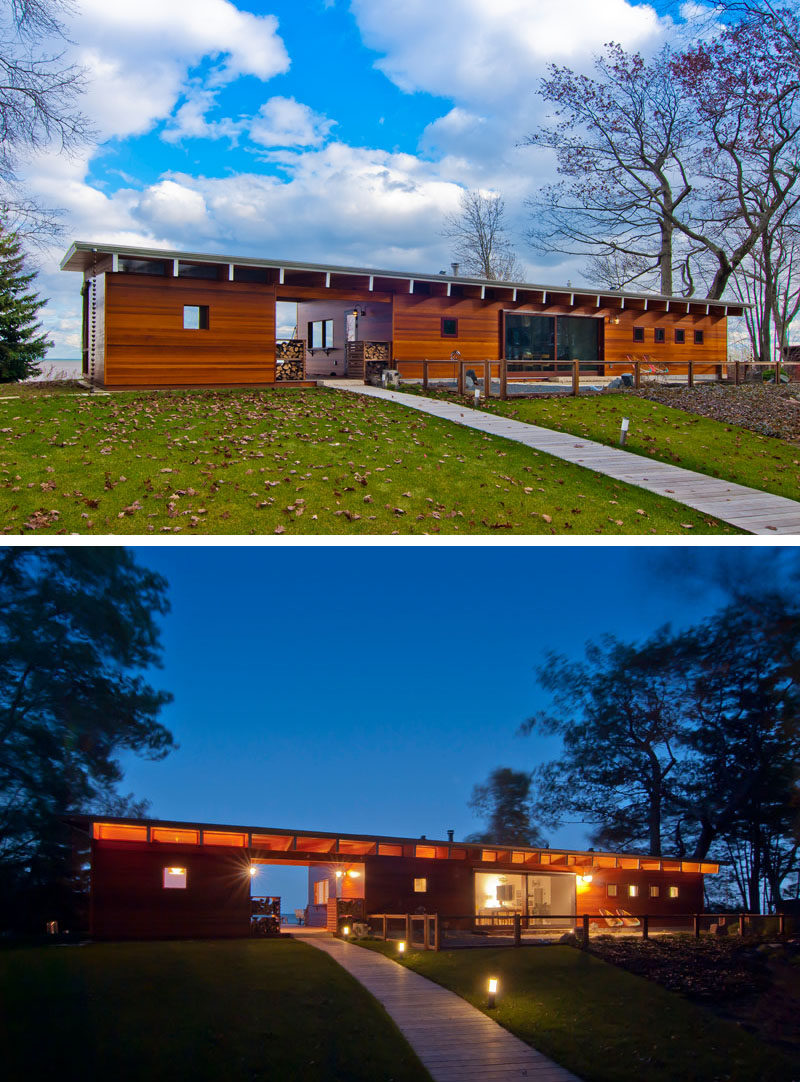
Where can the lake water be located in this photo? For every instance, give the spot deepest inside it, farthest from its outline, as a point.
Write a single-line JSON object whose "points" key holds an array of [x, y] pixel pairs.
{"points": [[58, 368]]}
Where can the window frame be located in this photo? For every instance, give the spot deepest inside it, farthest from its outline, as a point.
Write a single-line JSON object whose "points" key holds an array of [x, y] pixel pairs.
{"points": [[699, 338], [612, 890], [420, 889], [449, 334], [680, 336], [178, 876], [203, 317], [659, 335], [633, 890], [638, 334]]}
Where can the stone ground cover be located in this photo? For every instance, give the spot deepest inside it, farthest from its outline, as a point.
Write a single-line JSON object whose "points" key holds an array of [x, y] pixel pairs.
{"points": [[214, 1011], [293, 462], [603, 1023], [750, 435]]}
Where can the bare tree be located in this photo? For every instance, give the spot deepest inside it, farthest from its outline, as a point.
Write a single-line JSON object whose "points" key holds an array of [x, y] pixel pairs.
{"points": [[38, 103], [480, 235], [622, 140]]}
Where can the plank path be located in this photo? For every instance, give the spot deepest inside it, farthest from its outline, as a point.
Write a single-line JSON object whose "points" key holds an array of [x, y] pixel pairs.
{"points": [[454, 1040], [747, 508]]}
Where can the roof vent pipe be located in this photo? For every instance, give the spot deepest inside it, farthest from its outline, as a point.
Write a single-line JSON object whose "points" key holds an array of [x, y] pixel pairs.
{"points": [[454, 268], [450, 834]]}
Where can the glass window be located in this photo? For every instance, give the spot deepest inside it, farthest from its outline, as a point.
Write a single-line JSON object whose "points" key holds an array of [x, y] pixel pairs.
{"points": [[250, 274], [654, 891], [673, 892], [658, 334], [198, 270], [175, 878], [530, 338], [638, 334], [449, 328], [698, 338], [195, 317], [576, 337], [142, 266], [680, 336], [633, 890], [611, 890], [321, 891], [320, 334], [420, 886]]}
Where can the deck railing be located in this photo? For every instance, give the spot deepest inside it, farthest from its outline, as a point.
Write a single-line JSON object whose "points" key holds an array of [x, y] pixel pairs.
{"points": [[638, 369]]}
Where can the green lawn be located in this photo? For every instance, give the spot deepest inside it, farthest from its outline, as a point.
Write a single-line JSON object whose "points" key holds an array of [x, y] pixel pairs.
{"points": [[604, 1024], [201, 1011], [668, 435], [293, 462]]}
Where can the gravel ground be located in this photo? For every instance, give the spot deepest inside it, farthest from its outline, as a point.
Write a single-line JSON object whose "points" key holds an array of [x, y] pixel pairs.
{"points": [[769, 411]]}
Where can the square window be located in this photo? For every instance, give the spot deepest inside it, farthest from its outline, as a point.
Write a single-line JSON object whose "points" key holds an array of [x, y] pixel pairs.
{"points": [[673, 892], [638, 334], [654, 891], [449, 328], [195, 317], [611, 890], [420, 886], [175, 878], [633, 890], [680, 336], [659, 335], [698, 338]]}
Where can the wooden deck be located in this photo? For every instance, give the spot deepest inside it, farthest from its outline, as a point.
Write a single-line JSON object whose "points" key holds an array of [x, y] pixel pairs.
{"points": [[455, 1041], [747, 508]]}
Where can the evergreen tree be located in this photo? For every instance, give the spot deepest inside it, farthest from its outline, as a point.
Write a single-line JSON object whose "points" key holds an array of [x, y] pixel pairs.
{"points": [[22, 345]]}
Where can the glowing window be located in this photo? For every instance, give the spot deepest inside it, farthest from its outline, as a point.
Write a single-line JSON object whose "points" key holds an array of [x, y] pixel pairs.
{"points": [[219, 837], [175, 878], [673, 892], [654, 891], [420, 886], [633, 890], [390, 850], [321, 891], [118, 832], [489, 856], [611, 890], [179, 837], [427, 851]]}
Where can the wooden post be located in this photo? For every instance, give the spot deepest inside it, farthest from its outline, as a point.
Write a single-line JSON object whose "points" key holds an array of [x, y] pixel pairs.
{"points": [[408, 929], [645, 926], [517, 931], [742, 919], [460, 381], [504, 379], [436, 944], [585, 943], [696, 922], [487, 379], [426, 933], [425, 374], [576, 377], [637, 374], [737, 372], [690, 366], [781, 924], [385, 922]]}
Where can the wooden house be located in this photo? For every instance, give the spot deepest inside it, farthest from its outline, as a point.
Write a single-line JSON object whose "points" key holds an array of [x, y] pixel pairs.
{"points": [[157, 318], [154, 878]]}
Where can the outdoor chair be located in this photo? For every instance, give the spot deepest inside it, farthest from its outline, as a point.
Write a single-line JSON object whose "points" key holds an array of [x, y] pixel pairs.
{"points": [[300, 914]]}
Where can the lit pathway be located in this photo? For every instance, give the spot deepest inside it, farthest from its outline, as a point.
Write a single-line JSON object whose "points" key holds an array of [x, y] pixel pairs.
{"points": [[748, 508], [455, 1041]]}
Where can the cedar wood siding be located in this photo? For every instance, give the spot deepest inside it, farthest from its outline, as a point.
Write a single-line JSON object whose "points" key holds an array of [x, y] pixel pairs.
{"points": [[146, 344], [689, 900], [129, 901]]}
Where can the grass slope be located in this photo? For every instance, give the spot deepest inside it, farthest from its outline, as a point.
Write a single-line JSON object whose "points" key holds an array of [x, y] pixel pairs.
{"points": [[604, 1024], [205, 1011], [668, 435], [294, 462]]}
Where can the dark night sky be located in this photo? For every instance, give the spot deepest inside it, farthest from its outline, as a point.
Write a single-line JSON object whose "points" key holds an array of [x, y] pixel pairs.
{"points": [[368, 689]]}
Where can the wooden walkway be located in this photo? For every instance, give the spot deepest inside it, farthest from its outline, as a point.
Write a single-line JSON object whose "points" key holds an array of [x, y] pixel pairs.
{"points": [[454, 1040], [747, 508]]}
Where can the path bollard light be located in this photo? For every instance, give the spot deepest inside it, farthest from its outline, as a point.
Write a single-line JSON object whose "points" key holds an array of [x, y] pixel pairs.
{"points": [[492, 997], [346, 930], [477, 396], [401, 947], [623, 431]]}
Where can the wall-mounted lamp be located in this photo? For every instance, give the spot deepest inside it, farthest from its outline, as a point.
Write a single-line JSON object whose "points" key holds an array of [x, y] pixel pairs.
{"points": [[614, 320], [253, 869]]}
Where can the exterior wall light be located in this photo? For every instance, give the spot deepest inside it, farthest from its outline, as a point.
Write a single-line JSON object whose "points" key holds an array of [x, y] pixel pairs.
{"points": [[253, 869], [492, 997], [354, 875]]}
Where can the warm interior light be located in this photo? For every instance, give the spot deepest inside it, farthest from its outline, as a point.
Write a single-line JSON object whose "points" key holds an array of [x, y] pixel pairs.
{"points": [[354, 875], [401, 947], [176, 871]]}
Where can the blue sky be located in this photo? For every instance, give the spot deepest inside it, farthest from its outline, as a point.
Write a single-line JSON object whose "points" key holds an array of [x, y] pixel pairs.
{"points": [[337, 131], [368, 689]]}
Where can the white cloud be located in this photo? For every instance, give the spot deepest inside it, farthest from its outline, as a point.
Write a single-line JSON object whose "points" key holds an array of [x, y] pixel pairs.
{"points": [[172, 207], [284, 122], [485, 54]]}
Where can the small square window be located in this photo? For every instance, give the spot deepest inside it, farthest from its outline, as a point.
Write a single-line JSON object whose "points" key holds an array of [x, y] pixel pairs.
{"points": [[659, 335], [654, 891], [680, 336], [175, 878], [449, 328], [698, 338], [638, 334], [673, 892], [420, 886], [195, 317], [633, 890], [611, 890]]}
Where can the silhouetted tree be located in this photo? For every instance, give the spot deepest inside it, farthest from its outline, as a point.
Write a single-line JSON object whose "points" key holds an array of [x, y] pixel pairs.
{"points": [[504, 801]]}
